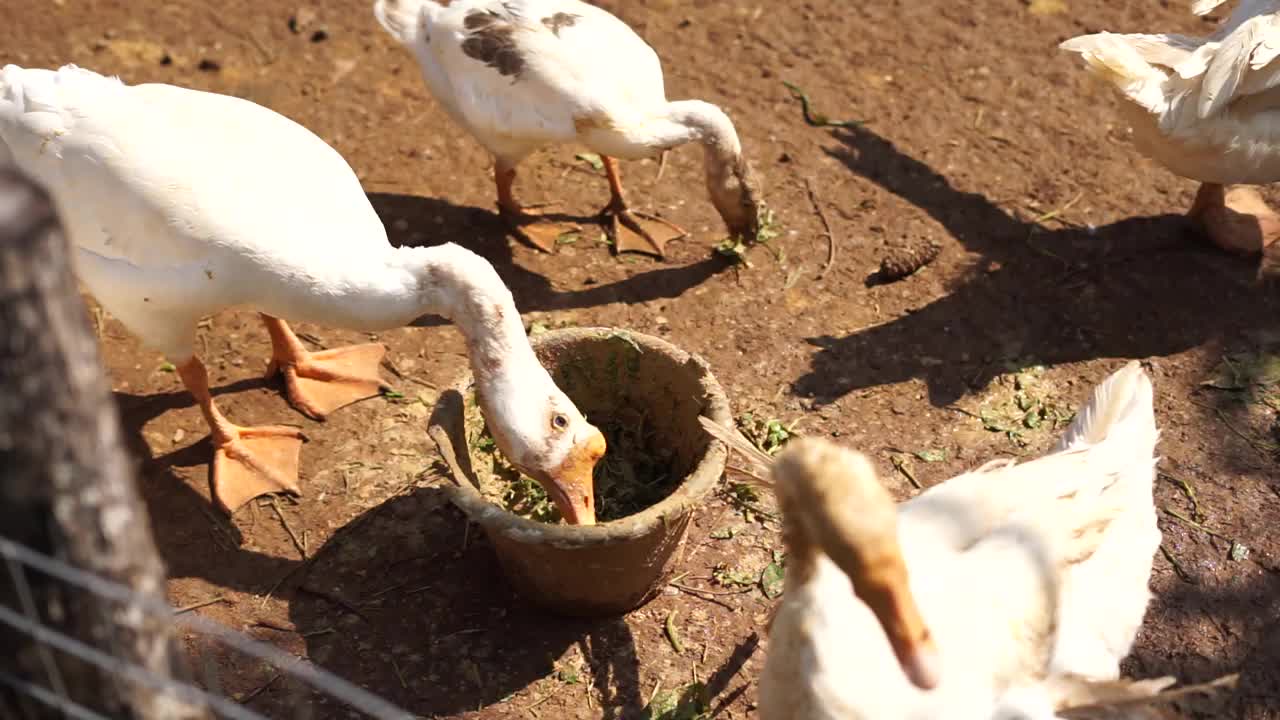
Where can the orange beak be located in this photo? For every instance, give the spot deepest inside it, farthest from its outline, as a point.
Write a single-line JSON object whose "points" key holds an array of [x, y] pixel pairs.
{"points": [[572, 486], [890, 599]]}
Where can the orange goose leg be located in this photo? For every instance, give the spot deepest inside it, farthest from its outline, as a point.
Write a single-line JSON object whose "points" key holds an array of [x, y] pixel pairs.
{"points": [[317, 383], [247, 461], [528, 224]]}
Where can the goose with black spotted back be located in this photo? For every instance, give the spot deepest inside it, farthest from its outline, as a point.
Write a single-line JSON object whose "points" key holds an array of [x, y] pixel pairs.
{"points": [[182, 203], [524, 74]]}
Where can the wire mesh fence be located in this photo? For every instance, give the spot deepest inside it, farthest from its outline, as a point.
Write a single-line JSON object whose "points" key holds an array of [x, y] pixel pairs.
{"points": [[85, 631], [22, 561]]}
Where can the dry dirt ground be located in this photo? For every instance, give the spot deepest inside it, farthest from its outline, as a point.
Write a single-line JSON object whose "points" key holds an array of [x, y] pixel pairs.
{"points": [[1062, 254]]}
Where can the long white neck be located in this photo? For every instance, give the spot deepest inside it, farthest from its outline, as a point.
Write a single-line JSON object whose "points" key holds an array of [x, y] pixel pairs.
{"points": [[445, 280], [731, 184], [696, 121], [457, 284]]}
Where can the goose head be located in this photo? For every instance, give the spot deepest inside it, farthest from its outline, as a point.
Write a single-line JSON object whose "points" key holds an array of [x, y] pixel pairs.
{"points": [[833, 503], [544, 435], [732, 184], [536, 426], [735, 193]]}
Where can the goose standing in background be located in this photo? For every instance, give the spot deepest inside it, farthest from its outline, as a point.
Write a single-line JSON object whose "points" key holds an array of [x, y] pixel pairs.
{"points": [[524, 74], [1204, 108], [182, 203], [1012, 582]]}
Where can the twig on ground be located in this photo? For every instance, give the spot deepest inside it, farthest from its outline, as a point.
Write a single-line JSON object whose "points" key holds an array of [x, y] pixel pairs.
{"points": [[826, 226], [1054, 214], [272, 626], [399, 675], [1253, 443], [901, 466], [311, 339], [202, 603], [261, 688], [1177, 566], [544, 698], [705, 597], [1192, 523], [330, 597], [1189, 491], [302, 549]]}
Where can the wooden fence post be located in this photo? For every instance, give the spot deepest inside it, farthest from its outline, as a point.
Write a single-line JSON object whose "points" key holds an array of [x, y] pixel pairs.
{"points": [[67, 487]]}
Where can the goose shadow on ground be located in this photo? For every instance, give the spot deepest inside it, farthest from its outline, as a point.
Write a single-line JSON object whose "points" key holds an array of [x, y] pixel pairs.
{"points": [[408, 602], [432, 221], [1245, 613], [1137, 287]]}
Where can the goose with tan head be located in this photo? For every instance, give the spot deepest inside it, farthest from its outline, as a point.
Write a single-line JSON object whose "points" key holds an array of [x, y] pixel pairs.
{"points": [[1008, 577]]}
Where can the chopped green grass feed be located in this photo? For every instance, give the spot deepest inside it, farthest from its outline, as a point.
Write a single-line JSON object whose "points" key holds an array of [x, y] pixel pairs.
{"points": [[633, 475]]}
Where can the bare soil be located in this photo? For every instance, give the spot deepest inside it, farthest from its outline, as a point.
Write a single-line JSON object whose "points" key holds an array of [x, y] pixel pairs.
{"points": [[1060, 247]]}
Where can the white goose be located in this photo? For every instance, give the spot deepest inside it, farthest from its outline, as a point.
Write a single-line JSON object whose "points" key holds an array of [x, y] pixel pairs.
{"points": [[993, 590], [524, 74], [1203, 108], [182, 203]]}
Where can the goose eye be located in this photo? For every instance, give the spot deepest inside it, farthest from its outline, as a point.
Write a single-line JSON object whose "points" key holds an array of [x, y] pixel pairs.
{"points": [[559, 422]]}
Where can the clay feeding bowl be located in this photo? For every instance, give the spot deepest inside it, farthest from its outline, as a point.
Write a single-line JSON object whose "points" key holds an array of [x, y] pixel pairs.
{"points": [[620, 564]]}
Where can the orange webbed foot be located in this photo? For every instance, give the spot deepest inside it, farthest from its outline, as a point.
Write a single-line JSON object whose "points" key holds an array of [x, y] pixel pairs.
{"points": [[317, 383], [638, 232], [254, 461]]}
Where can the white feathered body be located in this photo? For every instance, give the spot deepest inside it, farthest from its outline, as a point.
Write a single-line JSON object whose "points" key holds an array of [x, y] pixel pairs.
{"points": [[571, 72], [182, 203], [1206, 108], [1021, 572]]}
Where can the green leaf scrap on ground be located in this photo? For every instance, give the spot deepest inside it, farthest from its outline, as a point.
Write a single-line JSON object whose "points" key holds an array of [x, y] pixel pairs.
{"points": [[687, 703], [591, 159], [768, 227], [746, 500], [1239, 552], [167, 366], [724, 533], [734, 249], [1029, 408], [769, 435], [931, 456], [726, 576], [771, 579]]}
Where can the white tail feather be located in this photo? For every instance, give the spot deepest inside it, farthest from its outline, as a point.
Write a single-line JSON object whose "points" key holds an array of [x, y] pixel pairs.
{"points": [[1117, 430], [1123, 402], [758, 461], [403, 19], [1204, 7]]}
